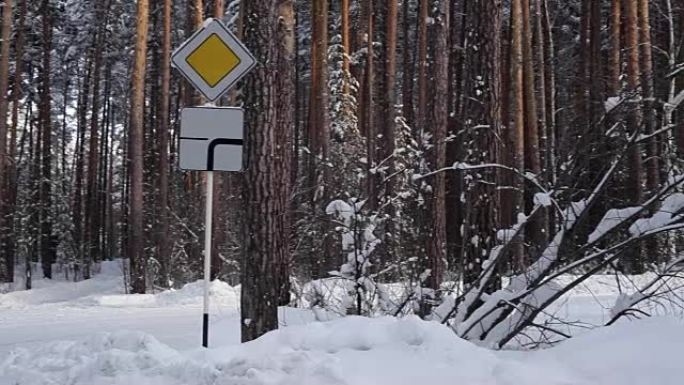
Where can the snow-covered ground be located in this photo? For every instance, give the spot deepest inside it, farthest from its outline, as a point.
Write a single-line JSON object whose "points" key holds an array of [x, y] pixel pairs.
{"points": [[90, 333]]}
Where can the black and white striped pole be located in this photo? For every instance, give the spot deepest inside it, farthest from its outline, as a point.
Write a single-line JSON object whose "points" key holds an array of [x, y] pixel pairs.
{"points": [[208, 216]]}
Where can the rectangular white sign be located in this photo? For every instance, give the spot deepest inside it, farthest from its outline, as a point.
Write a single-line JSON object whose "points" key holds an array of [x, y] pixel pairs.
{"points": [[211, 139]]}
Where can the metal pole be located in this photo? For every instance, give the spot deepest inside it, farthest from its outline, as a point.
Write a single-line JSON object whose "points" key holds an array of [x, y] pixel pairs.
{"points": [[209, 205]]}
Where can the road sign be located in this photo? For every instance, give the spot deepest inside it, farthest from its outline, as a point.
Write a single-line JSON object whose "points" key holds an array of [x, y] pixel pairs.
{"points": [[213, 59], [211, 139]]}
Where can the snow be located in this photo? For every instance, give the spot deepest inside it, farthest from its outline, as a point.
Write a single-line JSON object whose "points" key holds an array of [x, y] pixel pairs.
{"points": [[355, 350], [543, 199], [670, 211], [107, 290], [613, 218], [92, 333], [612, 102]]}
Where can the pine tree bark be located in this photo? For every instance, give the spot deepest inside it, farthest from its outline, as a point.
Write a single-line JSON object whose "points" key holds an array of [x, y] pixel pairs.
{"points": [[550, 99], [516, 133], [634, 189], [266, 193], [163, 241], [408, 65], [389, 126], [539, 63], [198, 13], [286, 58], [537, 229], [81, 122], [483, 107], [48, 243], [319, 130], [367, 110], [439, 120], [92, 219], [219, 9], [615, 63], [422, 59], [318, 98], [455, 149], [583, 72], [11, 172], [648, 93], [6, 267], [596, 76], [136, 235], [346, 43]]}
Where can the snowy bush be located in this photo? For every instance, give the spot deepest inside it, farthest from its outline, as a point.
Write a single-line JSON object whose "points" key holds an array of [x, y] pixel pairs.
{"points": [[359, 242]]}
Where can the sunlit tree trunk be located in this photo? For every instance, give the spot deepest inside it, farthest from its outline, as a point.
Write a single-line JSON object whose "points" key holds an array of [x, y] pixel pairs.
{"points": [[136, 242], [648, 93]]}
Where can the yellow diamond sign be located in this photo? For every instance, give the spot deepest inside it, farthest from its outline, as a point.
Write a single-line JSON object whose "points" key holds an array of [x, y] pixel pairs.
{"points": [[213, 59]]}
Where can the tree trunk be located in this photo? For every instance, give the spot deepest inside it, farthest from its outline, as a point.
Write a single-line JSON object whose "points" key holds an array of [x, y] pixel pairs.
{"points": [[422, 59], [454, 180], [6, 267], [11, 172], [615, 64], [439, 120], [550, 98], [648, 93], [286, 58], [483, 63], [318, 99], [408, 65], [48, 246], [163, 241], [367, 113], [219, 9], [633, 189], [269, 36], [198, 13], [136, 252], [537, 229], [346, 43], [540, 88], [516, 133], [389, 126], [319, 131], [83, 103], [92, 228]]}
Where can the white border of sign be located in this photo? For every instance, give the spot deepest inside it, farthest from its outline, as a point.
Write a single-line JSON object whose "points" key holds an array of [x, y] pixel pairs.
{"points": [[247, 61]]}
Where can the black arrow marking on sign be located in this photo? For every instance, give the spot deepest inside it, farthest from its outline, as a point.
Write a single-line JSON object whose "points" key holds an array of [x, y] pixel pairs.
{"points": [[220, 142]]}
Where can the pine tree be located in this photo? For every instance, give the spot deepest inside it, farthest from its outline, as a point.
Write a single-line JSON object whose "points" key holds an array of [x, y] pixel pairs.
{"points": [[135, 226], [268, 35], [6, 260]]}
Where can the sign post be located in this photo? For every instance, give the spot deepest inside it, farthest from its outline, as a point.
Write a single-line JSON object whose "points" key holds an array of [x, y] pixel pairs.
{"points": [[213, 60], [208, 223]]}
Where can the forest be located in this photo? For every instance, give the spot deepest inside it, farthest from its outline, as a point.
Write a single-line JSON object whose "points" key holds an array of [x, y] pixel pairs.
{"points": [[444, 158]]}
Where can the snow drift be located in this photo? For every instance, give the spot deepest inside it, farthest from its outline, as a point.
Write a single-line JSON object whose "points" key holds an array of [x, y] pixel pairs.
{"points": [[355, 351]]}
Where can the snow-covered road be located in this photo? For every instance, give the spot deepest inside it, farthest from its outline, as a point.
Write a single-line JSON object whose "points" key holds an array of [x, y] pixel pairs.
{"points": [[68, 311], [178, 327]]}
